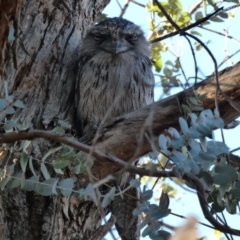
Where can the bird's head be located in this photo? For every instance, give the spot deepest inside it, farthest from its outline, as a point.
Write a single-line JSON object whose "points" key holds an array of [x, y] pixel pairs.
{"points": [[116, 36]]}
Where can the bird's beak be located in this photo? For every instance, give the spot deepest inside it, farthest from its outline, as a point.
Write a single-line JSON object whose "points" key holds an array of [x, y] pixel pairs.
{"points": [[118, 46]]}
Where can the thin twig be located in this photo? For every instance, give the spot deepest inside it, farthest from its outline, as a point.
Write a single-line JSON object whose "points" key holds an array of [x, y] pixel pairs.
{"points": [[137, 3], [124, 9], [195, 7], [188, 27], [219, 33]]}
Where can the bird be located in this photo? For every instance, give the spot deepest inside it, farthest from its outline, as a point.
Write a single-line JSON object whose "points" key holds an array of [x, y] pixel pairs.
{"points": [[114, 77]]}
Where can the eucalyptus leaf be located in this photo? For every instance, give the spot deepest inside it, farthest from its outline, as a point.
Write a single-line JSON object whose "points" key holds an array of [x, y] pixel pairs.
{"points": [[218, 122], [146, 195], [46, 188], [109, 197], [16, 180], [44, 171], [77, 169], [192, 166], [149, 229], [220, 146], [50, 152], [186, 108], [162, 141], [197, 108], [91, 194], [5, 107], [177, 143], [235, 192], [58, 171], [9, 126], [24, 161], [18, 104], [183, 125], [198, 16], [66, 187], [216, 208], [61, 162], [216, 19], [144, 223], [160, 235], [196, 33], [88, 163], [178, 172], [231, 206], [135, 183], [140, 209], [177, 157], [58, 130], [164, 201], [224, 174], [31, 183], [26, 144], [9, 173], [195, 146], [174, 133], [193, 100], [223, 15], [194, 133], [31, 166], [204, 130], [207, 179], [159, 214], [207, 156]]}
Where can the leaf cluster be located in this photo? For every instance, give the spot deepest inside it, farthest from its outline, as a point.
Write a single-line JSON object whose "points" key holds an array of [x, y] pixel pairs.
{"points": [[161, 28]]}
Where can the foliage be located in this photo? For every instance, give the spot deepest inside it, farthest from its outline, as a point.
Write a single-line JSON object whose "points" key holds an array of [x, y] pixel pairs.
{"points": [[192, 149], [161, 28], [189, 151]]}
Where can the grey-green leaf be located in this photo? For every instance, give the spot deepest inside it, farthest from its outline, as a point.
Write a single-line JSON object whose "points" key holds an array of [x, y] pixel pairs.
{"points": [[19, 104], [108, 197], [224, 174], [135, 183], [58, 130], [24, 161], [31, 183], [66, 186], [16, 180], [51, 151], [44, 171], [46, 188], [146, 195], [183, 125], [31, 166]]}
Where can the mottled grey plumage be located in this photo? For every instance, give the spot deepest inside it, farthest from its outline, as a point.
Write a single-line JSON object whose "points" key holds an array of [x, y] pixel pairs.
{"points": [[114, 77]]}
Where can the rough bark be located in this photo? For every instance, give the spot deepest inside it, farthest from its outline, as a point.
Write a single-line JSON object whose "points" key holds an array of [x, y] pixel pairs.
{"points": [[120, 135], [122, 208], [39, 43], [38, 63]]}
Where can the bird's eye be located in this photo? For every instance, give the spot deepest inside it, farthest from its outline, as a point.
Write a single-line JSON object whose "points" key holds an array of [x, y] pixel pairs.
{"points": [[99, 38], [132, 38]]}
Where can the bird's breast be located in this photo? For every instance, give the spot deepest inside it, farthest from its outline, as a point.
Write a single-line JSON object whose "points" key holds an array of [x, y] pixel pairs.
{"points": [[111, 88]]}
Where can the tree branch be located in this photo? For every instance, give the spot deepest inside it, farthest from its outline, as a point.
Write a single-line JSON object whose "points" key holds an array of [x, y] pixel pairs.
{"points": [[101, 156]]}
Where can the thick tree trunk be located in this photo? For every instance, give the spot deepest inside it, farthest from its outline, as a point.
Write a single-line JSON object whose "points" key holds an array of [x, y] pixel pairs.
{"points": [[39, 42]]}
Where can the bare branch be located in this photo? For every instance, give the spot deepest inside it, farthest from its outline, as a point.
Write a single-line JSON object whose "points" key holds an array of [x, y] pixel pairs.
{"points": [[100, 156], [186, 28], [137, 3], [195, 7], [124, 9]]}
